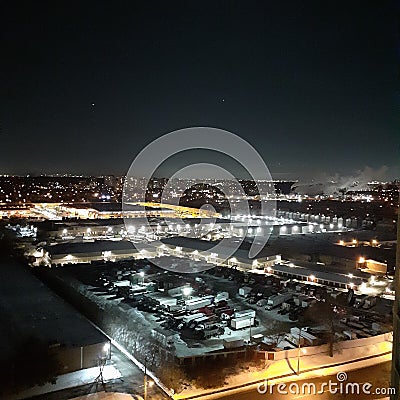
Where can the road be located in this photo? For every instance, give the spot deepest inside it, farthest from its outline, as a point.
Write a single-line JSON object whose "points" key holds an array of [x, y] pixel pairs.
{"points": [[377, 375], [132, 382]]}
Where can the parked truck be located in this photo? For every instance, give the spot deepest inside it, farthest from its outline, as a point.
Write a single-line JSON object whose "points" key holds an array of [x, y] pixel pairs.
{"points": [[277, 300]]}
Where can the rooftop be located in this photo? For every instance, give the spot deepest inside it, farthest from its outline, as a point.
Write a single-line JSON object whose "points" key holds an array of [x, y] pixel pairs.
{"points": [[225, 249], [28, 308], [89, 246]]}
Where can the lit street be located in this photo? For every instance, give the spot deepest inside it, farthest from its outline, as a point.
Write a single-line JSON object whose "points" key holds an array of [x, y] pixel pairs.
{"points": [[377, 375]]}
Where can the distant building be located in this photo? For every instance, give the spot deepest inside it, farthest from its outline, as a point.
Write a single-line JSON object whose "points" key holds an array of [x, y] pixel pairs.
{"points": [[396, 324], [201, 250], [86, 252]]}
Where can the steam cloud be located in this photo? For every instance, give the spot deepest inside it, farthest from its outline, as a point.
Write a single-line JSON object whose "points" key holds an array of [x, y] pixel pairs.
{"points": [[325, 183]]}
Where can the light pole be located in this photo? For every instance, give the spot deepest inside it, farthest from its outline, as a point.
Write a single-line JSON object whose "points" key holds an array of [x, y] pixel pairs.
{"points": [[298, 353], [145, 379], [250, 332]]}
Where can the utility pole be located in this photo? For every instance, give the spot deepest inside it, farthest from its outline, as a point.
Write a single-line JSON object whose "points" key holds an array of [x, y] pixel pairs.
{"points": [[145, 379], [250, 332], [298, 353]]}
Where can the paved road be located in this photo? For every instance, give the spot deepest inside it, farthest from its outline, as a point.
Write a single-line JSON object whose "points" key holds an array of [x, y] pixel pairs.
{"points": [[378, 375]]}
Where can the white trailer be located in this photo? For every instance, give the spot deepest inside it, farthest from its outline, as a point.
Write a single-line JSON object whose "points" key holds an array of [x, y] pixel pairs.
{"points": [[187, 318], [245, 313], [243, 322], [303, 335], [277, 300], [195, 304]]}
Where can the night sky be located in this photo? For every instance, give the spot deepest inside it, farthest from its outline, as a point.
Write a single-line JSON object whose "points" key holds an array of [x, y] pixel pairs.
{"points": [[311, 84]]}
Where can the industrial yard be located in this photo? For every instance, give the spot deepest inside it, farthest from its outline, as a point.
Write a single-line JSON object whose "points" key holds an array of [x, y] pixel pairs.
{"points": [[223, 309]]}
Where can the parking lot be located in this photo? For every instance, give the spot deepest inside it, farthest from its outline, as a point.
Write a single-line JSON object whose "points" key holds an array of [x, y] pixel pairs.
{"points": [[220, 308]]}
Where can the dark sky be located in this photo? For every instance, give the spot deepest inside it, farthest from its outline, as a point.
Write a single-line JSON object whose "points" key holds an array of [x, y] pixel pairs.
{"points": [[311, 84]]}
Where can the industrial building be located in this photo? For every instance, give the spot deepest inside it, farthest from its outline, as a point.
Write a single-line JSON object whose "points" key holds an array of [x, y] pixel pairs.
{"points": [[201, 250], [28, 309], [343, 281], [71, 252], [88, 251]]}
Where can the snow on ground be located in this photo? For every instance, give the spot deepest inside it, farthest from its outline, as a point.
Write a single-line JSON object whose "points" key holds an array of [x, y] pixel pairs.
{"points": [[105, 396], [72, 379]]}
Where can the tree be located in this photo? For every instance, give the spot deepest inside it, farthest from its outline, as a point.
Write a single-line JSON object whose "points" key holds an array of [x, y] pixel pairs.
{"points": [[326, 312]]}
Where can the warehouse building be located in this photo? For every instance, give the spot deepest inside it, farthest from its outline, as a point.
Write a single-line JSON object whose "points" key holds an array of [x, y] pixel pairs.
{"points": [[33, 311], [88, 251], [338, 280], [218, 253]]}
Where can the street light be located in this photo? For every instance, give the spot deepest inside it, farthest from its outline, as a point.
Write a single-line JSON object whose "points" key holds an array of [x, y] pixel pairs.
{"points": [[107, 349], [145, 379], [298, 353]]}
